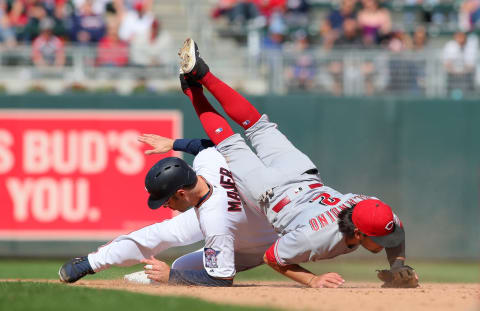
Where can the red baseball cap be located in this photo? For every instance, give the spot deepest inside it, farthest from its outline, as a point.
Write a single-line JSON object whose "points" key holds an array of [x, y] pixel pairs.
{"points": [[376, 219]]}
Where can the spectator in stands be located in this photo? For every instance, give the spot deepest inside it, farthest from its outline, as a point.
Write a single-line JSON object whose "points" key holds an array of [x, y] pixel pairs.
{"points": [[152, 48], [276, 34], [7, 37], [47, 48], [111, 51], [459, 57], [349, 37], [420, 38], [269, 7], [53, 6], [469, 15], [18, 16], [36, 12], [99, 7], [399, 42], [240, 13], [404, 70], [137, 22], [419, 43], [348, 40], [297, 14], [332, 27], [362, 66], [300, 75], [374, 22], [87, 27]]}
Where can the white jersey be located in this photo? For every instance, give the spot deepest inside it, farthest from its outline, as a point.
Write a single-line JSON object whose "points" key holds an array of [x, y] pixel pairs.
{"points": [[235, 238]]}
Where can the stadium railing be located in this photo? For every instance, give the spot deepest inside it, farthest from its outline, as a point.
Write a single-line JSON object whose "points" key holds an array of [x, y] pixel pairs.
{"points": [[346, 73]]}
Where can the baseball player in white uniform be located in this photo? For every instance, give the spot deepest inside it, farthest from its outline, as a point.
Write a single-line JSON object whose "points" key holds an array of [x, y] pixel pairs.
{"points": [[314, 221], [235, 238]]}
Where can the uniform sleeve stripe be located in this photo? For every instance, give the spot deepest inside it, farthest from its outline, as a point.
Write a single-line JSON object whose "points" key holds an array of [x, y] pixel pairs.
{"points": [[270, 253], [279, 260]]}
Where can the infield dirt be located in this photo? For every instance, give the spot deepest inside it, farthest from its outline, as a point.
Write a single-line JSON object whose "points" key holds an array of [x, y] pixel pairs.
{"points": [[353, 296]]}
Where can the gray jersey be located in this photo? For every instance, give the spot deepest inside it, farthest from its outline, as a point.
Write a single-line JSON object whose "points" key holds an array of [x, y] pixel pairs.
{"points": [[283, 183], [312, 235]]}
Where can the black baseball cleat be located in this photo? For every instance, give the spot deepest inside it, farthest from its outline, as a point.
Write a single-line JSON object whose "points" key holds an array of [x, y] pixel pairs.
{"points": [[190, 61], [75, 269], [187, 82]]}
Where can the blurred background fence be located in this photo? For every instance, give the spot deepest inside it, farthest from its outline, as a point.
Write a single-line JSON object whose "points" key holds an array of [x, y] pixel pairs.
{"points": [[337, 72]]}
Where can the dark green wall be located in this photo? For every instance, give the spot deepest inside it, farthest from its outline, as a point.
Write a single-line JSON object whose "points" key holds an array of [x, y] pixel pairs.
{"points": [[420, 156]]}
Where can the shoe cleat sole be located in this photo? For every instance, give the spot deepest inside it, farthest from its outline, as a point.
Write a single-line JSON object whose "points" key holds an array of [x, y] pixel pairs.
{"points": [[187, 56]]}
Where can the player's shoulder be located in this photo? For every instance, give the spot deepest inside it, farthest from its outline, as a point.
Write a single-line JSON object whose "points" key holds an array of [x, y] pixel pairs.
{"points": [[209, 156]]}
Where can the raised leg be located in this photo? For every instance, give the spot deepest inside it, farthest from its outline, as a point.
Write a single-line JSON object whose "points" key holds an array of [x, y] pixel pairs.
{"points": [[237, 107]]}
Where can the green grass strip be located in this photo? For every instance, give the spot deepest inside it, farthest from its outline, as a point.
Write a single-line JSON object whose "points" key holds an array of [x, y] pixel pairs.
{"points": [[351, 270], [21, 296]]}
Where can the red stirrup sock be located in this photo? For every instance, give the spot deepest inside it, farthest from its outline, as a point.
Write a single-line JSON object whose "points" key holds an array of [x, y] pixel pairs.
{"points": [[216, 127], [235, 105]]}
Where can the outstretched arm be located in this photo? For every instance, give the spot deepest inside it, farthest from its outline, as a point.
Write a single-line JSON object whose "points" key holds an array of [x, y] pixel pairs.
{"points": [[286, 263], [305, 277], [162, 144]]}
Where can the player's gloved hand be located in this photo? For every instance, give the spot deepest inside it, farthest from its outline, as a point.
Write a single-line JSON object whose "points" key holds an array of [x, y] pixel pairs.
{"points": [[329, 280], [398, 277]]}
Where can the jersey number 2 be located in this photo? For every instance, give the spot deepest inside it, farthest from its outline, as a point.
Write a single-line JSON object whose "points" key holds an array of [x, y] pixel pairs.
{"points": [[326, 199]]}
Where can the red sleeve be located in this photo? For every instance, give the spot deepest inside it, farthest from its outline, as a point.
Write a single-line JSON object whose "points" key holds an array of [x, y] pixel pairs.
{"points": [[270, 253]]}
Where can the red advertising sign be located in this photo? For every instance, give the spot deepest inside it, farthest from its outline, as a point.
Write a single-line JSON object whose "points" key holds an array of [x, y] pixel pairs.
{"points": [[67, 174]]}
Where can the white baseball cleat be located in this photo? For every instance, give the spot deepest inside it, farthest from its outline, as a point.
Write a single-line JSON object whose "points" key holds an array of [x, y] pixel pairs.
{"points": [[187, 56], [190, 61]]}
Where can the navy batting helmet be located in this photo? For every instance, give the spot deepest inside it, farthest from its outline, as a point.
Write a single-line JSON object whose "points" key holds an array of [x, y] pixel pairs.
{"points": [[165, 178]]}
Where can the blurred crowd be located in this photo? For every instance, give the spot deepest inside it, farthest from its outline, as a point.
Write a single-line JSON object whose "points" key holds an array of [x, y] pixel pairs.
{"points": [[127, 33], [123, 32], [359, 25]]}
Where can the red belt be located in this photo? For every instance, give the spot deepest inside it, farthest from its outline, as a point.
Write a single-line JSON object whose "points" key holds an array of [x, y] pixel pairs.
{"points": [[278, 207]]}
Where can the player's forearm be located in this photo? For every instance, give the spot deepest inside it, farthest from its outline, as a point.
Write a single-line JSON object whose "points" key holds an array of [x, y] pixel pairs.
{"points": [[192, 146], [396, 255], [294, 272]]}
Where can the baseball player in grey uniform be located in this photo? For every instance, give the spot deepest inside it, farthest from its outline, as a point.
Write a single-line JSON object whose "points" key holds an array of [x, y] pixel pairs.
{"points": [[314, 221]]}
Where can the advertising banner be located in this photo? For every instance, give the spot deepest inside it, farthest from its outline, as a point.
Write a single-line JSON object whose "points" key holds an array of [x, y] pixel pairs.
{"points": [[78, 174]]}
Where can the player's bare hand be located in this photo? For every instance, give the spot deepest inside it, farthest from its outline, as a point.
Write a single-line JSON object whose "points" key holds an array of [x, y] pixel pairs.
{"points": [[329, 280], [159, 144], [156, 270]]}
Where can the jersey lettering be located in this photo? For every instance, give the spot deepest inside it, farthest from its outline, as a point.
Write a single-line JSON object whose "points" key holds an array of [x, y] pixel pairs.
{"points": [[321, 221], [314, 224], [227, 182], [234, 206]]}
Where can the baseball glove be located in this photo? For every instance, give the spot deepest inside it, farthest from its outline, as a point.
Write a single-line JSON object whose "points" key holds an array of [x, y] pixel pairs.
{"points": [[399, 277]]}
